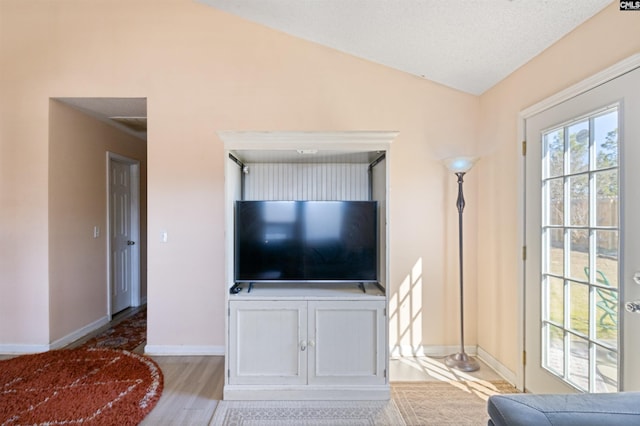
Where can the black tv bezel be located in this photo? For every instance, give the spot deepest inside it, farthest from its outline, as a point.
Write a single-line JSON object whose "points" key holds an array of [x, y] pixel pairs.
{"points": [[375, 280]]}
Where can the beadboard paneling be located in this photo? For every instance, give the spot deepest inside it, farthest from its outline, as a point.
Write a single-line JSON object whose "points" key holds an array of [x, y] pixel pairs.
{"points": [[291, 181]]}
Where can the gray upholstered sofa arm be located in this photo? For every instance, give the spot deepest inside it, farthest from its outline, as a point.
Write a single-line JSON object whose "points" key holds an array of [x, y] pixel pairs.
{"points": [[567, 410]]}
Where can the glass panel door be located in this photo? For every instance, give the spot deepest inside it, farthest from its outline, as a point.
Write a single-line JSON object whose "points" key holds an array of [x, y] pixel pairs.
{"points": [[580, 228], [582, 235]]}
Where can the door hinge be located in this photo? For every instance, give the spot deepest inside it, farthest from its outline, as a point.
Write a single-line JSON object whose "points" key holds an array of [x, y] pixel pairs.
{"points": [[228, 373], [384, 312], [524, 252], [524, 148], [385, 373], [524, 357], [229, 311]]}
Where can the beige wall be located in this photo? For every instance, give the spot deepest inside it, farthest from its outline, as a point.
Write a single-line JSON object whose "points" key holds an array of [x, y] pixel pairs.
{"points": [[203, 71], [24, 305], [78, 146], [607, 38], [211, 72]]}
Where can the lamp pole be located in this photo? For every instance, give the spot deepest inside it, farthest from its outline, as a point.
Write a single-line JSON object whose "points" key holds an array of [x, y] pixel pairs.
{"points": [[461, 361]]}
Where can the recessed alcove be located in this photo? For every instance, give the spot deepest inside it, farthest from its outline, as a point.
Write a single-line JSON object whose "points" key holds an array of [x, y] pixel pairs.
{"points": [[307, 340]]}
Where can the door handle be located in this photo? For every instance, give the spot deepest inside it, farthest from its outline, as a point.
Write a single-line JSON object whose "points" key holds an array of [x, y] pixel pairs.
{"points": [[303, 345], [632, 307], [130, 243]]}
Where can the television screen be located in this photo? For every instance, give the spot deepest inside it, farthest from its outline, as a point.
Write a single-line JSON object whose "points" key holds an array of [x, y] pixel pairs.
{"points": [[332, 241]]}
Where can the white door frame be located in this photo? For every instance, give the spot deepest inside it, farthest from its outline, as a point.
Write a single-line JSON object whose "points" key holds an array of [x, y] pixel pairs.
{"points": [[134, 166], [598, 79]]}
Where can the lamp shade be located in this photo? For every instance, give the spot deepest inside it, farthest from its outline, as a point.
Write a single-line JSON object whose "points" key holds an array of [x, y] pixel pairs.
{"points": [[460, 164]]}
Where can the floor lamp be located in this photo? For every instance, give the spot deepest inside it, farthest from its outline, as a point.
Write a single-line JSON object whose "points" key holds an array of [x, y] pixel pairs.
{"points": [[461, 361]]}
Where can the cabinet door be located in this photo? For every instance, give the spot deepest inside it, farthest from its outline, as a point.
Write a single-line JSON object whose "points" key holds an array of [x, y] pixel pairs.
{"points": [[346, 342], [267, 342]]}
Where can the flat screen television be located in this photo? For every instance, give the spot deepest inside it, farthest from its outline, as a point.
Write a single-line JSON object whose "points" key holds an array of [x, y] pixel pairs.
{"points": [[306, 241]]}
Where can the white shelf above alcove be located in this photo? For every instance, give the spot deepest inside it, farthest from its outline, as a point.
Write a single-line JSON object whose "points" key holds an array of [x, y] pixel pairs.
{"points": [[284, 146]]}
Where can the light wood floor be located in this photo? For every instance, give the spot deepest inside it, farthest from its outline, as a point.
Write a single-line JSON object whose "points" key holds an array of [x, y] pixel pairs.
{"points": [[192, 389], [193, 384]]}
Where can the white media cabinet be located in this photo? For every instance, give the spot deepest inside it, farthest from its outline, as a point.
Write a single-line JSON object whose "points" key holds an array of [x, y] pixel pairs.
{"points": [[304, 341], [301, 341]]}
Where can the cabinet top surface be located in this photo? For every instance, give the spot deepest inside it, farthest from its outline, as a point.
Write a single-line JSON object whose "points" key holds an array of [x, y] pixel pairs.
{"points": [[308, 291]]}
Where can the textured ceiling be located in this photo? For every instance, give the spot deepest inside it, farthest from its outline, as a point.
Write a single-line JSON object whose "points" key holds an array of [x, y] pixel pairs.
{"points": [[469, 45]]}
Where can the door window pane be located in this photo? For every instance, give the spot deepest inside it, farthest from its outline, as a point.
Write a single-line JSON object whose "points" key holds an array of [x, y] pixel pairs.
{"points": [[579, 193], [606, 258], [553, 343], [579, 362], [606, 370], [606, 139], [579, 308], [554, 295], [578, 253], [555, 211], [555, 252], [606, 317], [579, 147], [607, 198], [554, 153]]}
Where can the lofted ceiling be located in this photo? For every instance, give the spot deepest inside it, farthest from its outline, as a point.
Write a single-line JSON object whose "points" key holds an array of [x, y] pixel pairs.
{"points": [[469, 45]]}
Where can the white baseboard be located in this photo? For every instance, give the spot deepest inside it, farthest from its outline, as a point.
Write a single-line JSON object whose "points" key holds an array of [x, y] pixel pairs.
{"points": [[60, 343], [306, 393], [440, 351], [16, 349], [81, 332], [407, 350], [497, 366], [183, 350]]}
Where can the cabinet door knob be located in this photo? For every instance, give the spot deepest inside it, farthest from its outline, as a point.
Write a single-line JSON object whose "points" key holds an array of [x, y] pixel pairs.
{"points": [[312, 343], [303, 345]]}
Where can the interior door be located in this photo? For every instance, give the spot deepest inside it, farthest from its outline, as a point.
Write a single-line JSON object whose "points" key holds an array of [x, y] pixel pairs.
{"points": [[121, 240], [583, 242]]}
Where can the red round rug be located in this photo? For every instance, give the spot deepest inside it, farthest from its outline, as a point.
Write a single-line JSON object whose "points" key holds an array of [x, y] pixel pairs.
{"points": [[80, 386]]}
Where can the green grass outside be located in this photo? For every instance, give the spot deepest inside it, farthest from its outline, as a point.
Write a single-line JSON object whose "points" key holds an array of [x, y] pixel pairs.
{"points": [[606, 327]]}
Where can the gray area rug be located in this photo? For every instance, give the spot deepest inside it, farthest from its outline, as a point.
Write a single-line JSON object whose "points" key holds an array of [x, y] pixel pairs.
{"points": [[307, 413]]}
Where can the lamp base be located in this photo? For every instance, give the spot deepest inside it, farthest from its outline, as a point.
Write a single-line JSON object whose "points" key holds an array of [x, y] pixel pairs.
{"points": [[461, 361]]}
